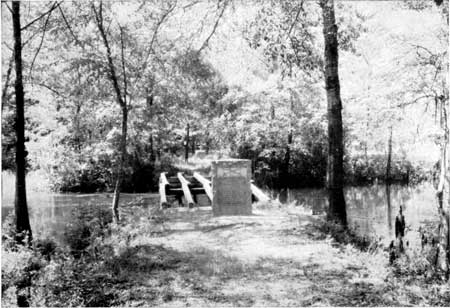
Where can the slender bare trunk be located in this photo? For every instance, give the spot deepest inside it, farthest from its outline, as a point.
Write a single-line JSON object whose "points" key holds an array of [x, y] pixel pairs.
{"points": [[389, 208], [186, 144], [20, 202], [335, 170], [389, 157], [119, 179], [121, 98]]}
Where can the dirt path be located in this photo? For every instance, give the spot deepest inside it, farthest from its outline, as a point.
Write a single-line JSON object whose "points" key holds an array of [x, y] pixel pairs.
{"points": [[276, 257]]}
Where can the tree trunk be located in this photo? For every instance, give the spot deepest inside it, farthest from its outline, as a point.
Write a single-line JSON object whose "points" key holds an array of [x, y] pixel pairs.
{"points": [[389, 157], [285, 170], [389, 208], [121, 101], [335, 170], [152, 151], [123, 152], [20, 202], [193, 145], [444, 224], [186, 144]]}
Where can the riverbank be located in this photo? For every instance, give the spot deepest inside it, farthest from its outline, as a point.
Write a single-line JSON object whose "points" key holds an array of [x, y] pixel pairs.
{"points": [[279, 256]]}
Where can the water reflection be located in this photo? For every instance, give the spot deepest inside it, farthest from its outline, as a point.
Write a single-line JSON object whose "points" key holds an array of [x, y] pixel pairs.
{"points": [[371, 210], [50, 213]]}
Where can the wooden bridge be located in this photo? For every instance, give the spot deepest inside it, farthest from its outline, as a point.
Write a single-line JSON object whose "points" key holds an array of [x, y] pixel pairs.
{"points": [[191, 186]]}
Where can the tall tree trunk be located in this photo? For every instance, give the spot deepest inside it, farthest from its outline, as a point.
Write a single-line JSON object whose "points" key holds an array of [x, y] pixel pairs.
{"points": [[123, 152], [121, 98], [389, 157], [444, 210], [335, 170], [186, 144], [20, 202]]}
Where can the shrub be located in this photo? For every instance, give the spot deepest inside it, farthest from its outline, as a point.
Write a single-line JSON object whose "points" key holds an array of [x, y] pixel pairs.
{"points": [[89, 222], [365, 170]]}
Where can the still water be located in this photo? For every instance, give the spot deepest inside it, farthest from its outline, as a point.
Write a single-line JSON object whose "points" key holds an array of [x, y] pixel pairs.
{"points": [[371, 210], [50, 213]]}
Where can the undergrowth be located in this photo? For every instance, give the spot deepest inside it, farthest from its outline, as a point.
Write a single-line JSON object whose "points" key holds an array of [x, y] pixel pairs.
{"points": [[104, 264]]}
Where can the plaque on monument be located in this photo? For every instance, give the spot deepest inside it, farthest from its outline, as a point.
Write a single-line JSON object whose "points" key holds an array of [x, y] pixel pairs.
{"points": [[231, 187]]}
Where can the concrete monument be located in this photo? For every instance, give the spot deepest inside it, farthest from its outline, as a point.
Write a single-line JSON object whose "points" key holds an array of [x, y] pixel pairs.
{"points": [[231, 187]]}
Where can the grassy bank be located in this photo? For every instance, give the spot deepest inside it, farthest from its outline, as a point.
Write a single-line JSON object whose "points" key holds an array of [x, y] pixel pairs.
{"points": [[280, 256]]}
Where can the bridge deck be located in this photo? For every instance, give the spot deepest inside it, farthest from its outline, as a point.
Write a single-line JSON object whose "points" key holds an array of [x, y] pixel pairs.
{"points": [[190, 186]]}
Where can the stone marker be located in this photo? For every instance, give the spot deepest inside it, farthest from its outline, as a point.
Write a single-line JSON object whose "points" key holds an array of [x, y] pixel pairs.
{"points": [[231, 187]]}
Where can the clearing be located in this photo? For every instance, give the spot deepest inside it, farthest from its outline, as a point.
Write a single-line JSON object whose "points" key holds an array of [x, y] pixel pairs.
{"points": [[276, 257]]}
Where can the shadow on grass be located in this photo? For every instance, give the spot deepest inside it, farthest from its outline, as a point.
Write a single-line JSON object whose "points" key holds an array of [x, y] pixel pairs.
{"points": [[157, 274]]}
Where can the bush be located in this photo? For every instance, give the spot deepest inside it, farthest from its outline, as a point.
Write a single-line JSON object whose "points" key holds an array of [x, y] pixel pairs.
{"points": [[91, 171], [305, 169], [89, 223], [365, 170], [44, 274]]}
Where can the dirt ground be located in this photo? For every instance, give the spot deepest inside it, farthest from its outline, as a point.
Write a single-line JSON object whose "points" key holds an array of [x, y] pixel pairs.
{"points": [[276, 257]]}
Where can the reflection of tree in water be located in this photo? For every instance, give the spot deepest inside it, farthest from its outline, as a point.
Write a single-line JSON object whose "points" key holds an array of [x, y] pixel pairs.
{"points": [[372, 209]]}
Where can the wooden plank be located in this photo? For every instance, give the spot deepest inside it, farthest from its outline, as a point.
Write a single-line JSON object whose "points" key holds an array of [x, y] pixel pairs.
{"points": [[206, 184], [259, 194], [162, 189], [186, 191]]}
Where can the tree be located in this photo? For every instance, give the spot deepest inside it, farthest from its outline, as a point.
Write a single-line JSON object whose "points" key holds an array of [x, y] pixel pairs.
{"points": [[335, 170], [440, 64], [121, 98], [20, 202]]}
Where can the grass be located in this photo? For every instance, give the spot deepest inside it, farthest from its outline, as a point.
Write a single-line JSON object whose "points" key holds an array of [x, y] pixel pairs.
{"points": [[279, 256]]}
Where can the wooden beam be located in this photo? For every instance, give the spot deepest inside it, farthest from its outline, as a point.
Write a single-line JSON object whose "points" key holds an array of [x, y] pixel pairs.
{"points": [[186, 191], [206, 184], [162, 189], [259, 194]]}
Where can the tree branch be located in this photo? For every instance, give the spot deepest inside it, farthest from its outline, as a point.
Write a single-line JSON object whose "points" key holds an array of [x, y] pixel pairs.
{"points": [[30, 38], [123, 66], [54, 6], [295, 19], [112, 70], [152, 41], [206, 42], [9, 8], [43, 85], [40, 44], [68, 27], [414, 101], [8, 76]]}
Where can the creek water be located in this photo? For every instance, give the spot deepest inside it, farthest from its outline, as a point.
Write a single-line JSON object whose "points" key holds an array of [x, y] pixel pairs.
{"points": [[371, 210]]}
